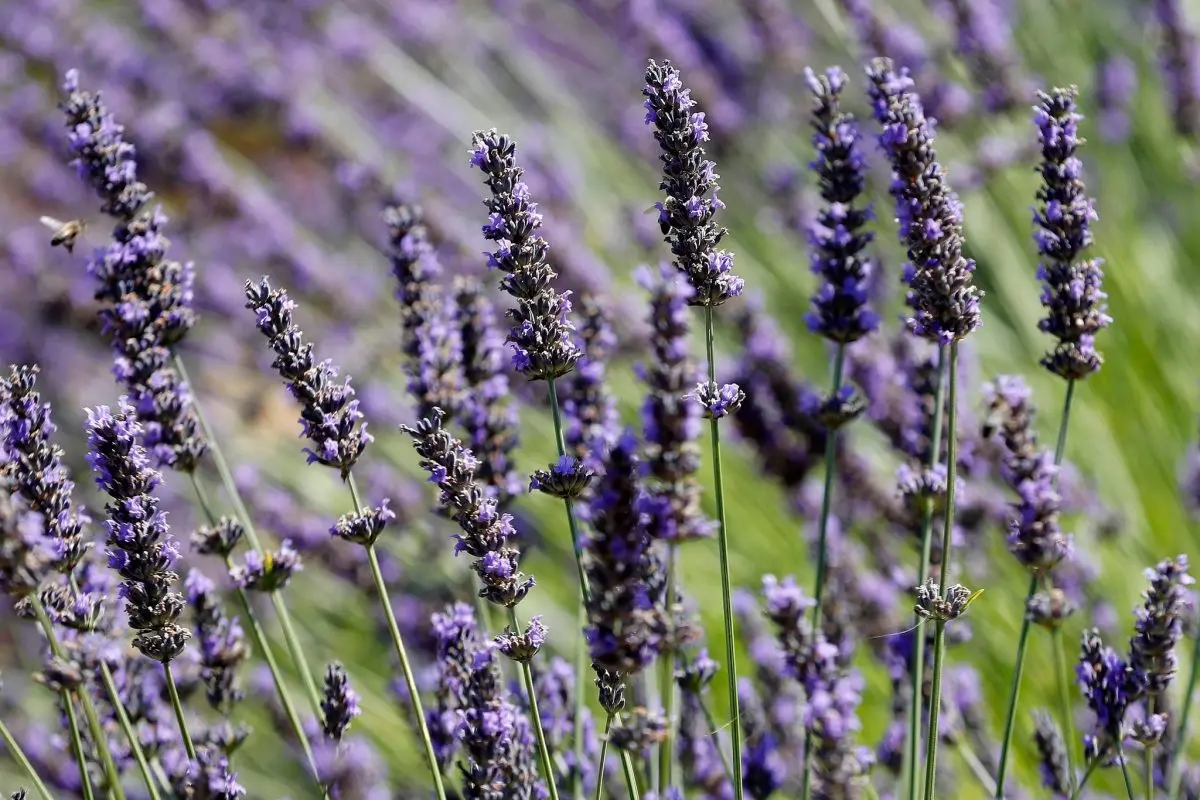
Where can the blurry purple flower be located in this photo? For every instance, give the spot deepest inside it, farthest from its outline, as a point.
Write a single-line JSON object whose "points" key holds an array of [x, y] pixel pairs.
{"points": [[339, 705], [267, 572]]}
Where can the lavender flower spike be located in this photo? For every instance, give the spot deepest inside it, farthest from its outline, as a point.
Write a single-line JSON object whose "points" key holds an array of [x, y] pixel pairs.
{"points": [[945, 303], [1110, 687], [543, 348], [141, 549], [840, 309], [222, 644], [146, 298], [1159, 623], [329, 413], [339, 705], [687, 214], [1179, 65], [1071, 294]]}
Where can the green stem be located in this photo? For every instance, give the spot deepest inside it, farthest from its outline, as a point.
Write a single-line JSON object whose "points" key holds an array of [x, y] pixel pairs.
{"points": [[735, 730], [173, 691], [535, 716], [631, 782], [1148, 771], [711, 721], [666, 666], [1177, 757], [971, 759], [603, 758], [410, 682], [1061, 446], [935, 694], [572, 522], [912, 768], [14, 749], [243, 516], [1087, 773], [1064, 700], [1125, 773], [112, 776], [127, 728], [581, 665], [939, 641], [1014, 692], [77, 745]]}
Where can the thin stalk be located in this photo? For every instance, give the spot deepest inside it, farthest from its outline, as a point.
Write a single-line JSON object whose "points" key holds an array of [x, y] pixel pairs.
{"points": [[536, 716], [77, 745], [135, 744], [716, 739], [243, 516], [173, 691], [631, 782], [935, 694], [1061, 446], [912, 769], [112, 776], [1125, 774], [939, 641], [1014, 692], [572, 522], [666, 678], [1064, 700], [1087, 773], [819, 591], [580, 679], [410, 682], [603, 758], [1148, 771], [735, 715], [285, 696], [971, 759], [14, 749], [1177, 757]]}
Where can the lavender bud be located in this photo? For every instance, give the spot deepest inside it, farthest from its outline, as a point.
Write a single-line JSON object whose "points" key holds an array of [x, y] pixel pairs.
{"points": [[521, 647], [26, 555], [1110, 687], [220, 539], [1159, 623], [60, 675], [687, 214], [1071, 294], [566, 479], [1149, 732], [339, 705], [541, 334], [222, 644], [1116, 83], [1178, 60], [269, 571], [364, 527], [588, 406], [71, 608], [718, 402], [414, 265], [141, 549], [931, 605], [207, 778], [696, 673], [984, 41], [638, 731], [945, 304], [611, 686], [835, 410], [1049, 609], [840, 309], [1052, 754], [485, 531], [921, 487], [329, 415], [457, 641]]}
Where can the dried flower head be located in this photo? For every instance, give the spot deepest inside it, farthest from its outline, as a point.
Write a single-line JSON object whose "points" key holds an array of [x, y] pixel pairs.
{"points": [[931, 605]]}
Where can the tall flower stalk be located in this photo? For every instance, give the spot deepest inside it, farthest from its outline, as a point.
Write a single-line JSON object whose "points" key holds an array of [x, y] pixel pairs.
{"points": [[334, 426], [945, 310], [686, 217]]}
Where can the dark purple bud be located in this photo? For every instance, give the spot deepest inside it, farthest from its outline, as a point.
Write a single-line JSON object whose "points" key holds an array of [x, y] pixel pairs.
{"points": [[835, 410], [638, 731], [1052, 754], [364, 527], [1159, 623], [220, 539], [588, 406], [339, 704], [522, 646], [567, 478], [1049, 609], [223, 647], [269, 571], [1110, 686]]}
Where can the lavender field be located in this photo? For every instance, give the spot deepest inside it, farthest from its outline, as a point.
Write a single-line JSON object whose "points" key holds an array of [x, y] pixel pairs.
{"points": [[636, 399]]}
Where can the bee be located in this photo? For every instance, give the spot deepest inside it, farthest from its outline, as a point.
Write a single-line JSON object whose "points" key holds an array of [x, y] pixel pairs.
{"points": [[65, 233]]}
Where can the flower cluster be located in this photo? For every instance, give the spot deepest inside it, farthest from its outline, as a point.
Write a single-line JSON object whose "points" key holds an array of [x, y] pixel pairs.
{"points": [[415, 266], [1159, 623], [485, 530], [1110, 686], [687, 216], [945, 303], [141, 548], [625, 627], [589, 408], [267, 572], [670, 423], [1179, 65], [566, 478], [541, 339], [146, 298], [487, 413], [329, 413], [457, 643], [339, 703], [364, 527], [1052, 755], [1071, 293], [840, 312], [222, 643]]}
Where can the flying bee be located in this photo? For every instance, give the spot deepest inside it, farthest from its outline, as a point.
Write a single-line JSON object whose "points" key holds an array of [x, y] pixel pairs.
{"points": [[65, 233]]}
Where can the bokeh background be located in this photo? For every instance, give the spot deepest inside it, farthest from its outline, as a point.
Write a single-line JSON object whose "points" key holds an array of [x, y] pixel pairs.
{"points": [[274, 130]]}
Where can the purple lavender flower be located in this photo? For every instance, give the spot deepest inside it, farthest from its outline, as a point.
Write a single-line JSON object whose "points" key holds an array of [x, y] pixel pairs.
{"points": [[364, 527], [625, 627], [26, 555], [718, 401], [220, 539], [565, 479], [687, 214], [1052, 755], [415, 266], [269, 571], [487, 414], [141, 548], [945, 304], [1074, 301], [457, 642], [589, 408], [840, 310], [984, 42], [222, 644], [670, 424], [435, 370], [638, 732], [541, 334], [1110, 686], [762, 763], [485, 531], [146, 298], [329, 413], [1159, 623], [339, 705], [1116, 83], [209, 777], [522, 646], [1180, 61], [35, 466]]}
